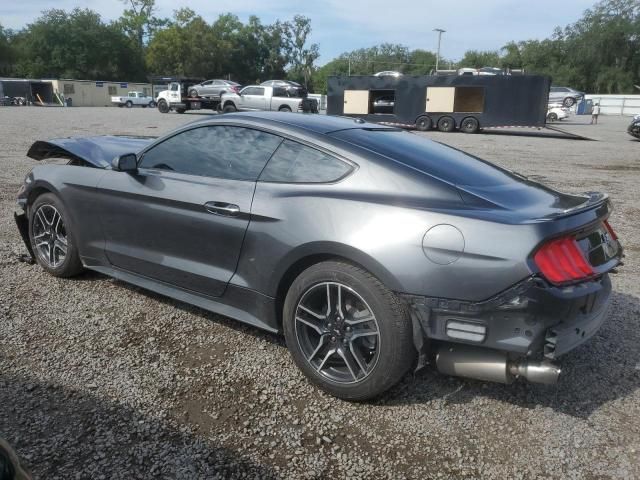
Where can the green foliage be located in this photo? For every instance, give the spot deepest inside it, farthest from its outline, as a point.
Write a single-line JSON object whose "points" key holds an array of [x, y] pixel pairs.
{"points": [[74, 44], [479, 59]]}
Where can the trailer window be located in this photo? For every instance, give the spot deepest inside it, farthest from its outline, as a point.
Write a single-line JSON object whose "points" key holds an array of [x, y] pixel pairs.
{"points": [[69, 89], [381, 101], [113, 90], [469, 99]]}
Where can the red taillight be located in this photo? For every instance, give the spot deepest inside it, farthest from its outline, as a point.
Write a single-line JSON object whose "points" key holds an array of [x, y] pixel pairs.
{"points": [[610, 230], [562, 261]]}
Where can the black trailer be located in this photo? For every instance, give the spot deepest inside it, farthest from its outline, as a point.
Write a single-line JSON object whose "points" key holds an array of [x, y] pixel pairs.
{"points": [[36, 92], [468, 103], [176, 97]]}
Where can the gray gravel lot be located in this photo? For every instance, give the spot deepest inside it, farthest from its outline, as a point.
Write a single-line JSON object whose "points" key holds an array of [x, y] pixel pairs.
{"points": [[103, 380]]}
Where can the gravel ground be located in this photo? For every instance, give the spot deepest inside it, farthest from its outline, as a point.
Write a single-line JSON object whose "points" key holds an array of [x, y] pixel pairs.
{"points": [[103, 380]]}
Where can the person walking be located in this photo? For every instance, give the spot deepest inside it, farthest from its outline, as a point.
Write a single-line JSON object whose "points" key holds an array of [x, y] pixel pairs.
{"points": [[594, 113]]}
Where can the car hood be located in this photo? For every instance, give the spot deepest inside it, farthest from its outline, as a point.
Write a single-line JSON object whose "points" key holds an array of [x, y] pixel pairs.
{"points": [[97, 151]]}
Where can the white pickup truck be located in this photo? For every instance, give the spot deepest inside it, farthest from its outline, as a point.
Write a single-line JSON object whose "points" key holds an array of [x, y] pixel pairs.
{"points": [[259, 97], [134, 98]]}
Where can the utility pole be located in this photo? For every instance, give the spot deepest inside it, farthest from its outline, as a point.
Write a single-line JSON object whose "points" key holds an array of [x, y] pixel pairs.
{"points": [[440, 32]]}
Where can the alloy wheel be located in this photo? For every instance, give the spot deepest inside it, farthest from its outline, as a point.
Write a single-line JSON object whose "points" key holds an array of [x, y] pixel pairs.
{"points": [[50, 236], [337, 332]]}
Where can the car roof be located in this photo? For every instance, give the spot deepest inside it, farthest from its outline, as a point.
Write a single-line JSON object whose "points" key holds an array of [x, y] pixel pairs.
{"points": [[322, 124]]}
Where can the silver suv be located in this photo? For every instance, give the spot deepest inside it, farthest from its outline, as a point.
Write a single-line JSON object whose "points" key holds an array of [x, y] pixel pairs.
{"points": [[565, 95]]}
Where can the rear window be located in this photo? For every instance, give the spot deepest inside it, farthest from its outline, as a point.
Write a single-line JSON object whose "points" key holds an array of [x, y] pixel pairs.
{"points": [[430, 157], [293, 162]]}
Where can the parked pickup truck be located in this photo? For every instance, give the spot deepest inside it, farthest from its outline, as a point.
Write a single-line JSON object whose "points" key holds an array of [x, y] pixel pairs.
{"points": [[134, 98], [259, 97]]}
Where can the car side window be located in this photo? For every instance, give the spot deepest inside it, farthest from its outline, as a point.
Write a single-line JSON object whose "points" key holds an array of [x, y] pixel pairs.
{"points": [[554, 89], [296, 163], [233, 153]]}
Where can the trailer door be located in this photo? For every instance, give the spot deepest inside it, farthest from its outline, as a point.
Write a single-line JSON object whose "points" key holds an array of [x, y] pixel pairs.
{"points": [[440, 99], [356, 102]]}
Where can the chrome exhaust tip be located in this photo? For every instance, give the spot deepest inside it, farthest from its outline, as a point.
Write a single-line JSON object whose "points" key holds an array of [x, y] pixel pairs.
{"points": [[492, 365]]}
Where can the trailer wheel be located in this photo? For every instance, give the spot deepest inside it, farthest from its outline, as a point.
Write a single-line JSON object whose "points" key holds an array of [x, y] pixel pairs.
{"points": [[469, 125], [129, 104], [446, 124], [163, 107], [229, 108], [181, 110], [423, 123]]}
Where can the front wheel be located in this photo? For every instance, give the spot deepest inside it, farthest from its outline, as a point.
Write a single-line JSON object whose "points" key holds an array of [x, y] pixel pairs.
{"points": [[51, 237], [552, 117], [152, 104], [346, 331], [284, 108], [163, 107]]}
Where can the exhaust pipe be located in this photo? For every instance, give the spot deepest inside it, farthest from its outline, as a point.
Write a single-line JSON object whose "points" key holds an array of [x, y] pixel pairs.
{"points": [[492, 365]]}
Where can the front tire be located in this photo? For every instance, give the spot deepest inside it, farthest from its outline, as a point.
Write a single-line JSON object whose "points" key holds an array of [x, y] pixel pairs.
{"points": [[552, 117], [51, 238], [346, 331], [163, 107]]}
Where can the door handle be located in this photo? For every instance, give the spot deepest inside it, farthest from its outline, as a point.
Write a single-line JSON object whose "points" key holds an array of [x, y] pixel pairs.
{"points": [[222, 208]]}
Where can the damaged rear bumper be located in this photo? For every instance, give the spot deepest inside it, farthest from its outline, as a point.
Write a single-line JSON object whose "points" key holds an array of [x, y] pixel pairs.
{"points": [[532, 319]]}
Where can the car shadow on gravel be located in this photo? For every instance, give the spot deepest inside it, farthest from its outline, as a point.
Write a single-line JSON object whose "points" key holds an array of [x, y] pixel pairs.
{"points": [[604, 369], [65, 433]]}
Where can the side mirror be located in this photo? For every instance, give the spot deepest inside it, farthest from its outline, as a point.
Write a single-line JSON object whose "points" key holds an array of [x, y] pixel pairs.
{"points": [[125, 163]]}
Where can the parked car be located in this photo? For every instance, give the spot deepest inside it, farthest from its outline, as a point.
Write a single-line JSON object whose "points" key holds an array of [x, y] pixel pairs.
{"points": [[371, 248], [490, 71], [634, 127], [291, 89], [565, 95], [258, 97], [213, 88], [556, 112], [134, 99], [467, 71], [388, 73], [384, 104]]}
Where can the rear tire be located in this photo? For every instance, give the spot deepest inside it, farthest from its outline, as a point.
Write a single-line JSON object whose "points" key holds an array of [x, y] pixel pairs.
{"points": [[284, 108], [152, 104], [163, 107], [52, 238], [370, 335], [129, 104], [424, 123], [446, 124], [469, 125]]}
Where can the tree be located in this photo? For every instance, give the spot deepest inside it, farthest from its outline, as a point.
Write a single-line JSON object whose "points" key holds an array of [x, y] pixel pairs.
{"points": [[74, 44], [7, 52], [301, 57], [139, 22], [479, 59]]}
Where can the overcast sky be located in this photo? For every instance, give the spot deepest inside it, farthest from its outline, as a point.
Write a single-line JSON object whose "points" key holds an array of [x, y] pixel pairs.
{"points": [[343, 25]]}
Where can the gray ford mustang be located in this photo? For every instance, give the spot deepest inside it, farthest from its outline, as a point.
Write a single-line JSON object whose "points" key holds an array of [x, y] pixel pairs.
{"points": [[374, 250]]}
